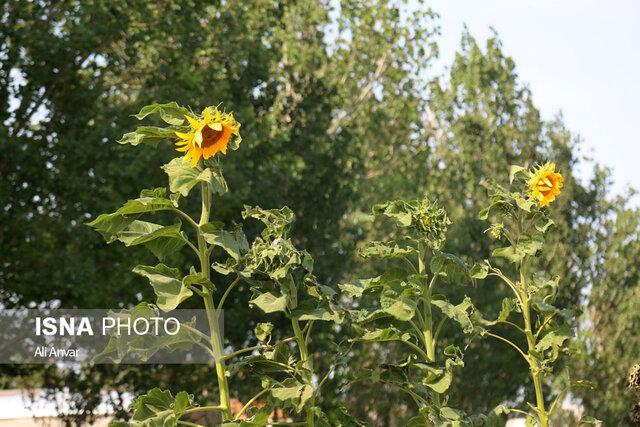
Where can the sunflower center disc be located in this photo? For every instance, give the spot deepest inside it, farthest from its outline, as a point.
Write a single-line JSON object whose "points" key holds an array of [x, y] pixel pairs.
{"points": [[210, 136]]}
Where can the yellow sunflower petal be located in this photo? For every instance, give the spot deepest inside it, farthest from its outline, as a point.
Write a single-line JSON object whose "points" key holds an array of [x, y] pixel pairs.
{"points": [[195, 158], [185, 136], [207, 116], [216, 126], [197, 138], [193, 122]]}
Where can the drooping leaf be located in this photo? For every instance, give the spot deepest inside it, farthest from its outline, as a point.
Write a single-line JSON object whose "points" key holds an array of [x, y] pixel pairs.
{"points": [[507, 252], [263, 330], [160, 240], [450, 268], [589, 420], [167, 285], [554, 340], [325, 311], [388, 334], [269, 303], [384, 250], [149, 135], [292, 394], [158, 409], [530, 243], [399, 300], [109, 225], [479, 271], [197, 279], [437, 378], [171, 113], [182, 177], [141, 347], [459, 313], [519, 172], [355, 288], [233, 242]]}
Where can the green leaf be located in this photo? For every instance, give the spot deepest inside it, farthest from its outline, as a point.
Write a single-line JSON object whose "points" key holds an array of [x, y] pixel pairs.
{"points": [[149, 135], [259, 418], [543, 224], [292, 394], [109, 225], [399, 210], [496, 416], [143, 205], [356, 288], [518, 171], [384, 250], [524, 203], [167, 285], [171, 113], [589, 420], [341, 417], [450, 268], [160, 240], [197, 279], [182, 177], [158, 409], [437, 378], [479, 271], [508, 305], [306, 310], [418, 421], [277, 221], [269, 303], [507, 252], [233, 242], [502, 205], [459, 313], [554, 340], [263, 330], [530, 243], [158, 192], [143, 347], [388, 334], [399, 300], [450, 413]]}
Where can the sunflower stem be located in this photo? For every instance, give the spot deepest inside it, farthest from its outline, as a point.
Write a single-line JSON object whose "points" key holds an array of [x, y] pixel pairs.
{"points": [[212, 316], [430, 344], [534, 365]]}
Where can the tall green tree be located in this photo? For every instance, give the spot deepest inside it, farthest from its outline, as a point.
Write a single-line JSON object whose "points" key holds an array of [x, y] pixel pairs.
{"points": [[612, 309], [297, 74], [338, 114]]}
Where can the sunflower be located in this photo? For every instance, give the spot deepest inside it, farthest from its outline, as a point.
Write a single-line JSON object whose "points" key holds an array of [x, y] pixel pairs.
{"points": [[545, 184], [208, 137]]}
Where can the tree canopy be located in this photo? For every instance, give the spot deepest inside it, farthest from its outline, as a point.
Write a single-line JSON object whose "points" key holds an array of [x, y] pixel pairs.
{"points": [[339, 111]]}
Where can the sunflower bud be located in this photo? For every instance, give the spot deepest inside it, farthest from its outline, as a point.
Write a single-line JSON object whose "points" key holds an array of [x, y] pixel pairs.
{"points": [[634, 377], [431, 222], [635, 412]]}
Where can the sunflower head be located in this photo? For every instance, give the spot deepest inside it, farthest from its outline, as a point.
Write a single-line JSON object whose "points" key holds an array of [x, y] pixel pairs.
{"points": [[208, 135], [545, 184]]}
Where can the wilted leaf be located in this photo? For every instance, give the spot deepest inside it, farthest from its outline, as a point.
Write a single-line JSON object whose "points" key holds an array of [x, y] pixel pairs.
{"points": [[167, 285]]}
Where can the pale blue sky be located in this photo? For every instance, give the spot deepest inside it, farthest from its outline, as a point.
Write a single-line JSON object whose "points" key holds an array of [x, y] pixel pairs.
{"points": [[581, 57]]}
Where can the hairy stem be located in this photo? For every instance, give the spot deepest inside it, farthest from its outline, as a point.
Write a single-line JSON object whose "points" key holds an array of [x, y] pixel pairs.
{"points": [[531, 341], [427, 330], [212, 316], [301, 340]]}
